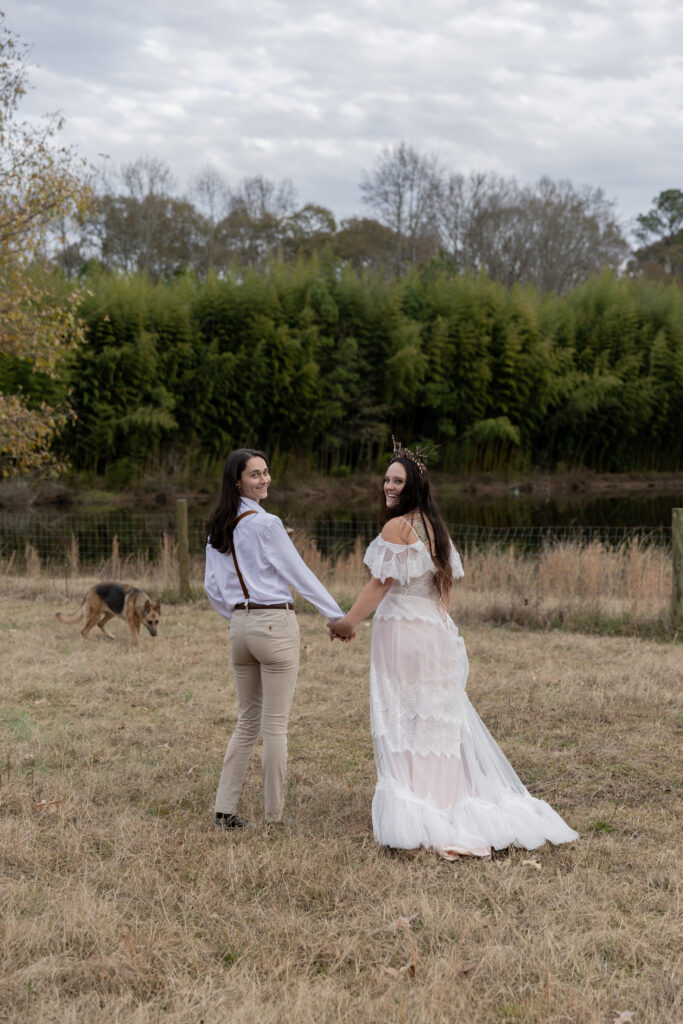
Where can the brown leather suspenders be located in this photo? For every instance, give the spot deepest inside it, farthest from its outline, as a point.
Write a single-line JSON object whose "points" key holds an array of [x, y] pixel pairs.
{"points": [[234, 557]]}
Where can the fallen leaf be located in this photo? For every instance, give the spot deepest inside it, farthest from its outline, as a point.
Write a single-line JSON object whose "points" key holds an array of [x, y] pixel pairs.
{"points": [[411, 967], [532, 864], [41, 700], [28, 760], [192, 769], [99, 759], [333, 952], [307, 649], [393, 971], [401, 922], [625, 1017], [48, 806], [408, 970], [466, 968]]}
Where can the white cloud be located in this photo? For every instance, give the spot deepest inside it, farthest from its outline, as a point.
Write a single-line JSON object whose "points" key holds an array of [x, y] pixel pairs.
{"points": [[312, 91]]}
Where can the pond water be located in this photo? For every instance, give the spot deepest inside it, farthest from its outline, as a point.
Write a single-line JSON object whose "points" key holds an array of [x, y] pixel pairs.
{"points": [[518, 510], [57, 536]]}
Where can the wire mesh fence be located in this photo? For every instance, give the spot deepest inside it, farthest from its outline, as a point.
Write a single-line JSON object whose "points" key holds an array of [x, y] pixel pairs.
{"points": [[336, 536], [78, 540]]}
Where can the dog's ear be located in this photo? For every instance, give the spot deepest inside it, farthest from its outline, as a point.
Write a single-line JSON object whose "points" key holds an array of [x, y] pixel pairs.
{"points": [[146, 607], [157, 606]]}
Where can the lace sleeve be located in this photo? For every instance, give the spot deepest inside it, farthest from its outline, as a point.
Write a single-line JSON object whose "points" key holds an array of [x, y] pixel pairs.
{"points": [[402, 562]]}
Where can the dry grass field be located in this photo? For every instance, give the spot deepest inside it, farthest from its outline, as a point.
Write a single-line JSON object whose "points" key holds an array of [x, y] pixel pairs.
{"points": [[120, 903], [588, 587], [591, 587]]}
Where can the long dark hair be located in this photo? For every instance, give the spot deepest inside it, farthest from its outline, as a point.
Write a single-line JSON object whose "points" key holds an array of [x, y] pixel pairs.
{"points": [[417, 496], [221, 522]]}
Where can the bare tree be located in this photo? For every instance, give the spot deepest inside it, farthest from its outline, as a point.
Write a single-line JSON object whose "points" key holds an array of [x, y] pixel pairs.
{"points": [[470, 211], [262, 198], [566, 234], [210, 192], [256, 223], [403, 189], [147, 176], [551, 234], [143, 226]]}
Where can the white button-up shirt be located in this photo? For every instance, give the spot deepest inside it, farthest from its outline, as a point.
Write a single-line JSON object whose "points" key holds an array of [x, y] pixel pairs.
{"points": [[269, 564]]}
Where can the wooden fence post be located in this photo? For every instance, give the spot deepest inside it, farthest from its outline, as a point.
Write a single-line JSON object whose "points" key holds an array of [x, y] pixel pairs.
{"points": [[183, 550], [677, 580]]}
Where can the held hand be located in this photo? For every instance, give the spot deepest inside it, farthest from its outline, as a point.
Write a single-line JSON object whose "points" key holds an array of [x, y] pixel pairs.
{"points": [[337, 636], [342, 629]]}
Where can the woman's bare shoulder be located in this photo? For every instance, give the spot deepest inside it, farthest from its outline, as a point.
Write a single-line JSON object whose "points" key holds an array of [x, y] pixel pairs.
{"points": [[398, 531]]}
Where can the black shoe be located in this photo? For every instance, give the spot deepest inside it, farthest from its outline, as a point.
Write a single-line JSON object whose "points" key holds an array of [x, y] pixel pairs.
{"points": [[227, 821]]}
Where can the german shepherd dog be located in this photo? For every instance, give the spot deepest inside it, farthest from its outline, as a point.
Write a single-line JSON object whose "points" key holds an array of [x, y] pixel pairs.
{"points": [[106, 600]]}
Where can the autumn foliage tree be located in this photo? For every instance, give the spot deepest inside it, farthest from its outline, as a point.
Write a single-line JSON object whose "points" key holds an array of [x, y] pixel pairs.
{"points": [[41, 184]]}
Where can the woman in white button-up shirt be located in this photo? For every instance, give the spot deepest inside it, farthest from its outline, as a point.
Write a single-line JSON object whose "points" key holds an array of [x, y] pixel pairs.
{"points": [[250, 565]]}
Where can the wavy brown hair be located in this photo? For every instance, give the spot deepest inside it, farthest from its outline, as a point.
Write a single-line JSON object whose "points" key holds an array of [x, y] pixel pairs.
{"points": [[221, 522], [416, 496]]}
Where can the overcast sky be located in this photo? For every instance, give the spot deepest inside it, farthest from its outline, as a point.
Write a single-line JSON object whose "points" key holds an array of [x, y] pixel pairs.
{"points": [[589, 90]]}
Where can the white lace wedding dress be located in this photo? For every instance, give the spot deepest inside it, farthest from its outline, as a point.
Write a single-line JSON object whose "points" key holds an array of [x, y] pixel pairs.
{"points": [[442, 780]]}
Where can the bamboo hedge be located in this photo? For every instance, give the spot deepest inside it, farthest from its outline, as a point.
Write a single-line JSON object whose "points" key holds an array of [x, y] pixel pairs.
{"points": [[326, 362]]}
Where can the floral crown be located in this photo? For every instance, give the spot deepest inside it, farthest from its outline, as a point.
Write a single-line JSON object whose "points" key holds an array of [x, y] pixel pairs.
{"points": [[419, 456]]}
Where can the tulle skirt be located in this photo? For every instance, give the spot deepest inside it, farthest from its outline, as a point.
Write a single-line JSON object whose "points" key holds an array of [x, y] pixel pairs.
{"points": [[442, 780]]}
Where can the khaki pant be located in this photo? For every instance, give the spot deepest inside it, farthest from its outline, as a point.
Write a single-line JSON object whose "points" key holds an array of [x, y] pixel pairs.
{"points": [[264, 649]]}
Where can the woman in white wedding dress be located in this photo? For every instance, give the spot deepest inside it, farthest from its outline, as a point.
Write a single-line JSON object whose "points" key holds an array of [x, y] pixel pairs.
{"points": [[442, 781]]}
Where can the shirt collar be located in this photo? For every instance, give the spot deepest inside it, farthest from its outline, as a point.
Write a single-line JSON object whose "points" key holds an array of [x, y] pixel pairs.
{"points": [[249, 503]]}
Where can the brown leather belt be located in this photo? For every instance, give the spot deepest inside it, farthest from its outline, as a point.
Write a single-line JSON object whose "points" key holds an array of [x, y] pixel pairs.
{"points": [[253, 606]]}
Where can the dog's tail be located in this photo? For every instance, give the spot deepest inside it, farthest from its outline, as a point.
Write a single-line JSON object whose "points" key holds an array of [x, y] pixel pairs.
{"points": [[68, 619]]}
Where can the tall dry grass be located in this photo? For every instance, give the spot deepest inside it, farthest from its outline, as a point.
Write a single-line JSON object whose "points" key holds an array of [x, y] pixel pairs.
{"points": [[120, 903], [591, 587], [588, 587]]}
